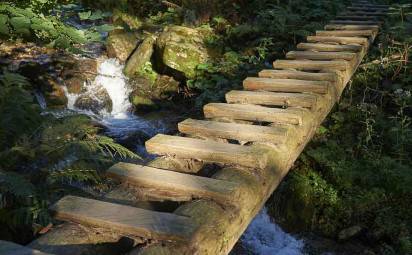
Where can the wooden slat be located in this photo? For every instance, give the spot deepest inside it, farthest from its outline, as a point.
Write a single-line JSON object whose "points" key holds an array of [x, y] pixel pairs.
{"points": [[311, 65], [358, 17], [124, 219], [285, 85], [209, 151], [362, 13], [351, 27], [366, 9], [271, 98], [314, 55], [345, 33], [9, 248], [329, 47], [294, 74], [254, 113], [176, 186], [354, 22], [234, 131], [335, 39]]}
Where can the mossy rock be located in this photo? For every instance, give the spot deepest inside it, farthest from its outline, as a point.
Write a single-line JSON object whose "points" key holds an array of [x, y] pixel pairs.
{"points": [[121, 44], [182, 49], [140, 57]]}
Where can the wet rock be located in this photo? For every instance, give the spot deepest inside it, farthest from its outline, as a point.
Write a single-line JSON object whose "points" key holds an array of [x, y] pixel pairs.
{"points": [[140, 58], [149, 95], [182, 49], [132, 140], [348, 233], [77, 72], [120, 45], [95, 101], [55, 95]]}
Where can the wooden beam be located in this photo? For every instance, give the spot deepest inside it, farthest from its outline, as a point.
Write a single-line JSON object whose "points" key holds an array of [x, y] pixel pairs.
{"points": [[345, 33], [271, 98], [254, 113], [354, 22], [299, 75], [209, 151], [234, 131], [164, 184], [341, 40], [285, 85], [314, 55], [329, 47], [351, 27], [124, 219], [311, 65]]}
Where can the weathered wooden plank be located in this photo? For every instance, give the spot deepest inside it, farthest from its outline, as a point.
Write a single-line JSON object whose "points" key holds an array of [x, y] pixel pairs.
{"points": [[358, 17], [271, 98], [324, 47], [345, 33], [9, 248], [209, 151], [354, 22], [311, 65], [351, 27], [285, 85], [366, 9], [294, 74], [363, 13], [234, 131], [173, 185], [124, 219], [335, 39], [314, 55], [254, 113]]}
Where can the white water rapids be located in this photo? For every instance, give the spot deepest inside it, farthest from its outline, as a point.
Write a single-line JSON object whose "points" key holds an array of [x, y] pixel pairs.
{"points": [[263, 237]]}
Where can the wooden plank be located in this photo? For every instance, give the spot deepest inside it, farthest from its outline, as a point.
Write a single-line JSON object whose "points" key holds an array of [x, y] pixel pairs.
{"points": [[311, 65], [174, 185], [362, 13], [234, 131], [209, 151], [351, 27], [285, 85], [294, 74], [345, 33], [314, 55], [9, 248], [124, 219], [329, 47], [354, 22], [358, 17], [335, 39], [366, 9], [271, 99], [256, 113]]}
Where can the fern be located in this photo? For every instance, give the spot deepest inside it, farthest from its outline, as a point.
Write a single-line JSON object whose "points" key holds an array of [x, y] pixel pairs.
{"points": [[73, 175], [15, 184]]}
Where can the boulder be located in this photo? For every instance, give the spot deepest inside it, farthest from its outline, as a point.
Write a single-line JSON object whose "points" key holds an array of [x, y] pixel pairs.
{"points": [[140, 57], [182, 49], [348, 233], [55, 95], [148, 95], [95, 101], [120, 45], [76, 72]]}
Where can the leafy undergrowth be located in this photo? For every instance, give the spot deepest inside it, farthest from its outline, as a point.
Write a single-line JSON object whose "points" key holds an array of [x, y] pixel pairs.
{"points": [[43, 157], [357, 172]]}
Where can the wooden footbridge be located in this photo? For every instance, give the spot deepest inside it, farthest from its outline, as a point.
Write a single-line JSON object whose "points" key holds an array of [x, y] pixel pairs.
{"points": [[221, 170]]}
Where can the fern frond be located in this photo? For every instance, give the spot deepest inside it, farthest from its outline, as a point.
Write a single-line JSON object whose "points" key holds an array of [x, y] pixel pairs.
{"points": [[73, 175], [16, 185]]}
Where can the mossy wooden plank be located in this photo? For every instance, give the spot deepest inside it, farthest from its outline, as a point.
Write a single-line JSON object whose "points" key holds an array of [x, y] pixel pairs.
{"points": [[234, 131], [173, 185], [351, 27], [256, 113], [336, 39], [312, 65], [329, 47], [209, 151], [285, 85], [345, 33], [313, 55], [124, 219], [271, 98], [299, 75]]}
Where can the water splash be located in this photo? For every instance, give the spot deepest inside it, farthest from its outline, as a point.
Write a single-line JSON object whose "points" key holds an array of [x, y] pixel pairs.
{"points": [[264, 237]]}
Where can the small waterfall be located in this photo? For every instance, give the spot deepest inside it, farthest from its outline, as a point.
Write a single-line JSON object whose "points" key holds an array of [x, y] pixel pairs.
{"points": [[264, 237], [111, 77], [41, 100]]}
